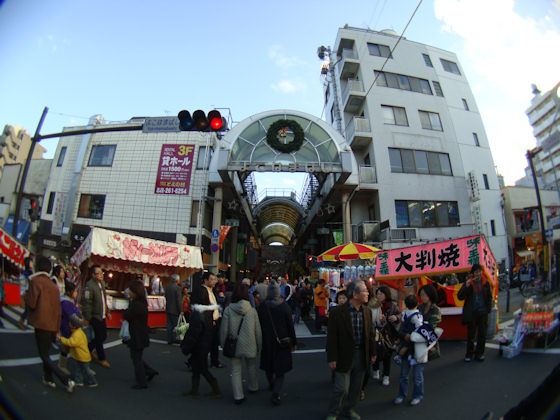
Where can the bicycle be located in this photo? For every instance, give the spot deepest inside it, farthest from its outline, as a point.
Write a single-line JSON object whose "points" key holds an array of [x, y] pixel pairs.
{"points": [[532, 287]]}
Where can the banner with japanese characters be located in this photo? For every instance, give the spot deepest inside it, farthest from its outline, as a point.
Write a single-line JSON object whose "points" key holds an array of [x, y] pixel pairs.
{"points": [[436, 258], [175, 168]]}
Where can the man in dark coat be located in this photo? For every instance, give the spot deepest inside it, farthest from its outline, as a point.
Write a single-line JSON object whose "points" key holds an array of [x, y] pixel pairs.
{"points": [[173, 306], [350, 347], [477, 295]]}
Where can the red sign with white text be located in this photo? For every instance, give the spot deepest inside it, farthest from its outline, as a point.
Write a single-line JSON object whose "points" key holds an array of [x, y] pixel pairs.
{"points": [[175, 168]]}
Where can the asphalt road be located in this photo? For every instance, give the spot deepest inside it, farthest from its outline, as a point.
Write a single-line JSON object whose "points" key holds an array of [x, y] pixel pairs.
{"points": [[453, 388]]}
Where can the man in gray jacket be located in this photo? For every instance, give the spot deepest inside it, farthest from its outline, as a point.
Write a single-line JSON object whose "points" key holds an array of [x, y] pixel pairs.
{"points": [[95, 311], [173, 307]]}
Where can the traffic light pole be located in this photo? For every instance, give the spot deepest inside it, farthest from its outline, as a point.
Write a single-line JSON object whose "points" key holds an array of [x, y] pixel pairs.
{"points": [[21, 188]]}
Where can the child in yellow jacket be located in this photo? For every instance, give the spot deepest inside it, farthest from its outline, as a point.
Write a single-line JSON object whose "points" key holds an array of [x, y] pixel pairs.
{"points": [[79, 354]]}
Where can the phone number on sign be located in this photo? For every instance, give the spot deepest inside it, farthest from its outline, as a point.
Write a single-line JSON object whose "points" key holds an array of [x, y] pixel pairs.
{"points": [[161, 190]]}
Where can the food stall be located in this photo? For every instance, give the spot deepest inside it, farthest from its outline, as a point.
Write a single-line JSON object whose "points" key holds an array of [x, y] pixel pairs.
{"points": [[126, 257], [435, 260], [12, 255]]}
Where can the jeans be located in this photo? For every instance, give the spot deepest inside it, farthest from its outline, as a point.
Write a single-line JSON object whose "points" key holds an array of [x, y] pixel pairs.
{"points": [[237, 377], [99, 336], [477, 327], [141, 368], [297, 314], [44, 339], [417, 375], [81, 372], [172, 320], [347, 386]]}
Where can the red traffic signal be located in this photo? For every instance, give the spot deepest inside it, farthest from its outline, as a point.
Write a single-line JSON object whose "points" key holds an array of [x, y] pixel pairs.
{"points": [[200, 122]]}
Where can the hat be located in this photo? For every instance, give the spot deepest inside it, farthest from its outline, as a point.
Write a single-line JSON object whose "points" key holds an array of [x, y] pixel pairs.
{"points": [[273, 290], [76, 321]]}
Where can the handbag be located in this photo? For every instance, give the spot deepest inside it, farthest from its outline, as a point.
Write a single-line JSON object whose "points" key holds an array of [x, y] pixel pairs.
{"points": [[230, 344], [284, 342], [124, 333], [181, 327]]}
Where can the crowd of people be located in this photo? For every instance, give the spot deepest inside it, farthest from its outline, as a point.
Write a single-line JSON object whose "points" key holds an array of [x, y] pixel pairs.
{"points": [[366, 331]]}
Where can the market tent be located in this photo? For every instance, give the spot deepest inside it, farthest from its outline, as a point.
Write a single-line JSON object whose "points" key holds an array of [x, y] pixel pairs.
{"points": [[11, 249], [134, 254]]}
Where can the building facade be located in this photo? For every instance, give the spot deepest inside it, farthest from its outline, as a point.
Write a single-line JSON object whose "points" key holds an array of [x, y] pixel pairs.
{"points": [[412, 121], [14, 146]]}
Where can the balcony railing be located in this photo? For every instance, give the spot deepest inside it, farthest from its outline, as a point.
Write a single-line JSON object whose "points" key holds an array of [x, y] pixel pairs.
{"points": [[353, 85], [357, 125], [368, 174]]}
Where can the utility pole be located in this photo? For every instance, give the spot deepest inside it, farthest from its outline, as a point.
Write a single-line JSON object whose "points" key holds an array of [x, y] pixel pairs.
{"points": [[34, 141]]}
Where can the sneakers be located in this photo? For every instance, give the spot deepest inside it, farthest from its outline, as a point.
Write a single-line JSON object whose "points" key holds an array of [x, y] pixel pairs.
{"points": [[398, 360], [70, 386], [415, 401], [375, 375], [480, 358], [399, 400], [468, 359], [92, 385], [385, 381], [79, 384], [48, 383]]}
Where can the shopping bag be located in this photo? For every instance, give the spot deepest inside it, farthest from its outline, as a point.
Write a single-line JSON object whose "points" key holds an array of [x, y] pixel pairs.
{"points": [[124, 333], [181, 328]]}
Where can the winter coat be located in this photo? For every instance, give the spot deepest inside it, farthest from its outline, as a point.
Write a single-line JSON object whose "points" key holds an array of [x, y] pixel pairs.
{"points": [[43, 300], [137, 317], [198, 338], [78, 346], [274, 358], [69, 310], [92, 302], [466, 293], [173, 299], [249, 340]]}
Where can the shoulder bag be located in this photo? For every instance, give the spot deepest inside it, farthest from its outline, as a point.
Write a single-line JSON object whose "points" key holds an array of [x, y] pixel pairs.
{"points": [[231, 341], [285, 342]]}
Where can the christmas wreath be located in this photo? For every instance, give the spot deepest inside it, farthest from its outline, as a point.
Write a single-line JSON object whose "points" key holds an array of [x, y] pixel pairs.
{"points": [[280, 127]]}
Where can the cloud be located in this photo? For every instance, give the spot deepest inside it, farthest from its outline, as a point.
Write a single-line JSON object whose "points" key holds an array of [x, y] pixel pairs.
{"points": [[51, 43], [503, 54], [276, 54], [288, 86]]}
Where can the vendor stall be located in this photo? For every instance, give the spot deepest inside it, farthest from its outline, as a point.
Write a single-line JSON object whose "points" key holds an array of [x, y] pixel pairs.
{"points": [[12, 255], [435, 261], [126, 257]]}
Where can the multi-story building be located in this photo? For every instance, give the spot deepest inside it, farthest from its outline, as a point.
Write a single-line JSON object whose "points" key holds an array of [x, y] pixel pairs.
{"points": [[14, 146], [411, 119]]}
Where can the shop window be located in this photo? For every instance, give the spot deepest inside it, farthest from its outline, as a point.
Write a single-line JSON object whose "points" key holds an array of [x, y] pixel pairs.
{"points": [[91, 206]]}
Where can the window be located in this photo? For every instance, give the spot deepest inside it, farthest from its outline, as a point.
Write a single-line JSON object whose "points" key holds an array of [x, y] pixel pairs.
{"points": [[486, 184], [419, 162], [430, 120], [61, 156], [194, 212], [427, 60], [437, 88], [426, 214], [403, 82], [102, 155], [493, 227], [379, 50], [465, 104], [450, 66], [203, 158], [476, 142], [50, 202], [394, 115], [91, 206], [207, 220]]}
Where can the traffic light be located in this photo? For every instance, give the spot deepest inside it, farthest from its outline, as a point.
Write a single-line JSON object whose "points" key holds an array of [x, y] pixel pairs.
{"points": [[199, 121]]}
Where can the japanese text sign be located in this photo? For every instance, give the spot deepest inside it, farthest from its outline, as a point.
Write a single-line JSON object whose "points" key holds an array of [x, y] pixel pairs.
{"points": [[175, 167]]}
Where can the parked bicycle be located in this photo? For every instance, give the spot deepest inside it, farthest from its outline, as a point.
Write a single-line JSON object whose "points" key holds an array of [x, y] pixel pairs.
{"points": [[536, 286]]}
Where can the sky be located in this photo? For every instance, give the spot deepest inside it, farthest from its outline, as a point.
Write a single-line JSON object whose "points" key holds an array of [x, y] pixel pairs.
{"points": [[144, 58]]}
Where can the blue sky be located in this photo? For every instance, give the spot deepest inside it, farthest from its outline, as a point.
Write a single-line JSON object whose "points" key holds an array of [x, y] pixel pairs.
{"points": [[145, 58]]}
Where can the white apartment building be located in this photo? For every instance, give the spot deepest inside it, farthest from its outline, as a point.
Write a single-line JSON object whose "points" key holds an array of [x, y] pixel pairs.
{"points": [[411, 119]]}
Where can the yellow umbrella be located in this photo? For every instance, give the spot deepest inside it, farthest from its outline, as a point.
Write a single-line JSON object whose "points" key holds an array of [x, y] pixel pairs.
{"points": [[349, 251]]}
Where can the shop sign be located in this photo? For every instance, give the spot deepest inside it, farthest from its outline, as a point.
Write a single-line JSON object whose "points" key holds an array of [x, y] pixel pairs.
{"points": [[160, 125], [175, 168], [309, 167]]}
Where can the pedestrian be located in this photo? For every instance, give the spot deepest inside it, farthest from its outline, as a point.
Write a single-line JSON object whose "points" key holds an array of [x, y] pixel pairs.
{"points": [[240, 320], [430, 312], [411, 320], [207, 297], [58, 275], [386, 320], [350, 348], [278, 339], [96, 312], [173, 307], [261, 289], [197, 343], [43, 300], [186, 302], [79, 353], [371, 304], [307, 300], [220, 290], [156, 286], [23, 286], [137, 317], [477, 295], [320, 299], [431, 315], [69, 310], [247, 282]]}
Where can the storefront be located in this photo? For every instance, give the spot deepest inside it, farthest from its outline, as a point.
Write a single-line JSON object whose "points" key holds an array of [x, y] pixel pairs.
{"points": [[126, 257], [441, 264], [12, 260]]}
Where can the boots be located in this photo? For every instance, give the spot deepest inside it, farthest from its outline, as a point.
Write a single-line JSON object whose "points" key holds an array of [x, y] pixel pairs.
{"points": [[63, 364], [194, 388], [215, 393]]}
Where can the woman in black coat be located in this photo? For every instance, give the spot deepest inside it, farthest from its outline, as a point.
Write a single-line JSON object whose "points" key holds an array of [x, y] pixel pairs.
{"points": [[137, 317], [275, 317]]}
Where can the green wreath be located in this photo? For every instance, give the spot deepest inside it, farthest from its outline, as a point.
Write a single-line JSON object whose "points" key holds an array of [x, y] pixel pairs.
{"points": [[272, 136]]}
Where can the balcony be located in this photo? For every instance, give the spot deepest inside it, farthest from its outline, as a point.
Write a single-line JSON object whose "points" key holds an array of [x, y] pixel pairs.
{"points": [[353, 96], [349, 64], [368, 175], [358, 133]]}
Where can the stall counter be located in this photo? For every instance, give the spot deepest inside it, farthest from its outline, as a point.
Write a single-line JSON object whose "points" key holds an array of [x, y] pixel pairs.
{"points": [[156, 311]]}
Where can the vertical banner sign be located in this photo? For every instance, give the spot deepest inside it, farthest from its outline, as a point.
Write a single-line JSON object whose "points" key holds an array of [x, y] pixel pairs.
{"points": [[224, 230], [175, 167], [58, 216]]}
